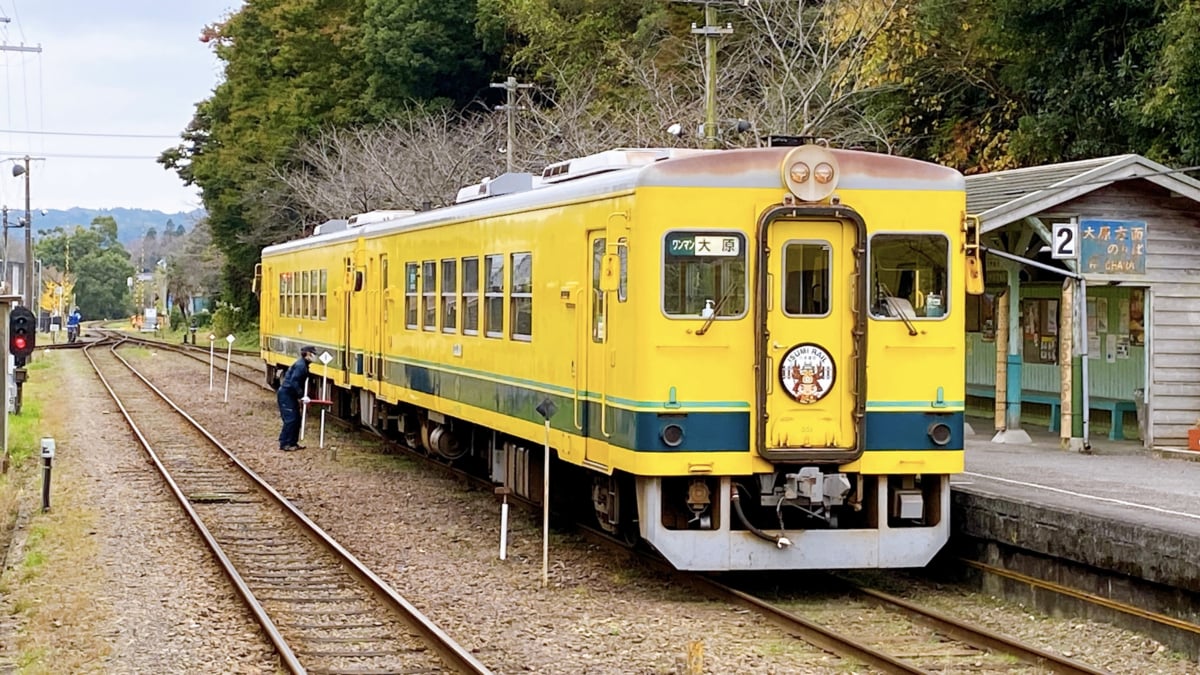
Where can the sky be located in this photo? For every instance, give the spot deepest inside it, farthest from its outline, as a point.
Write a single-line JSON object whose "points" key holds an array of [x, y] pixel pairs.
{"points": [[107, 68]]}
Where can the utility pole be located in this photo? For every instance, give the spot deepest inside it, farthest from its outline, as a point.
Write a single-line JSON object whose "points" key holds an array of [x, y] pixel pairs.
{"points": [[4, 281], [511, 86], [711, 31], [28, 285]]}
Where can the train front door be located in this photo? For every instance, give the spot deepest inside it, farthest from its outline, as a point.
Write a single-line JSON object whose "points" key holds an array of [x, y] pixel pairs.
{"points": [[813, 349]]}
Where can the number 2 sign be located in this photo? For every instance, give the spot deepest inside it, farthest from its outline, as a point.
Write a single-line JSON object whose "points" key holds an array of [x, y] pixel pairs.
{"points": [[1064, 241]]}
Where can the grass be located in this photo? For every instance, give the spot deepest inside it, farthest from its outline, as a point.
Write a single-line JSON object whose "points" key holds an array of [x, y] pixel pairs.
{"points": [[56, 616]]}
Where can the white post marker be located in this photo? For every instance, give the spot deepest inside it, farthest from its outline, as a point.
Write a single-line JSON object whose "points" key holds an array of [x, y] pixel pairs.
{"points": [[211, 337], [228, 359], [325, 358], [546, 409]]}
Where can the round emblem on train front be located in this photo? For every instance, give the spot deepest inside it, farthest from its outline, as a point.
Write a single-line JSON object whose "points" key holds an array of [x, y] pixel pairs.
{"points": [[807, 373]]}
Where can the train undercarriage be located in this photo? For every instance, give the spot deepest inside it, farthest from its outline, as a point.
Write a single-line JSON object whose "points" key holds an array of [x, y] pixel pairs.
{"points": [[798, 517]]}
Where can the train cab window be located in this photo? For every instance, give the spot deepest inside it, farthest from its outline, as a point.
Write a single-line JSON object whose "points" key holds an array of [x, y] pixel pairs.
{"points": [[521, 297], [410, 295], [909, 275], [806, 277], [429, 295], [470, 285], [450, 296], [494, 296], [704, 272]]}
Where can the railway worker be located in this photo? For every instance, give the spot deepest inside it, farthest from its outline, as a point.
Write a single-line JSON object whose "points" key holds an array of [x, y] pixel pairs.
{"points": [[73, 325], [292, 390]]}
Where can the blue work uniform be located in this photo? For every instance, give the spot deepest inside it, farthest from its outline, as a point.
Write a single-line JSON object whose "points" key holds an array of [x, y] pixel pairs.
{"points": [[291, 389]]}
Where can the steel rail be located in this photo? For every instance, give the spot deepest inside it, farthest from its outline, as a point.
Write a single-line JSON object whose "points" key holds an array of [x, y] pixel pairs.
{"points": [[453, 653], [1101, 601], [977, 636]]}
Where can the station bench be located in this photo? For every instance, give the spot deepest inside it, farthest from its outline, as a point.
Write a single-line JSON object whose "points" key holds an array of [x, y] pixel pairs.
{"points": [[1115, 407]]}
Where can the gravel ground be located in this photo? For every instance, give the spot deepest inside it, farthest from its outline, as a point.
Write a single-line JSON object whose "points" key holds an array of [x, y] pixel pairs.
{"points": [[435, 541]]}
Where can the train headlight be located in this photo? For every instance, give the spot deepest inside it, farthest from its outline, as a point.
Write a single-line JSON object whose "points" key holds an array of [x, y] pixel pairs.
{"points": [[672, 435], [810, 172], [939, 433]]}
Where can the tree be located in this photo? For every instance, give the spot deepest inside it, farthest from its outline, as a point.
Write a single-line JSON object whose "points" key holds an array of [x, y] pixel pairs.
{"points": [[97, 263], [193, 270]]}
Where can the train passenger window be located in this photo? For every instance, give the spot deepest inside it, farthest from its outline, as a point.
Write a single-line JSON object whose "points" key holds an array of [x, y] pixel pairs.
{"points": [[305, 295], [806, 278], [429, 295], [323, 298], [521, 298], [470, 296], [494, 296], [704, 272], [909, 276], [450, 296], [410, 295]]}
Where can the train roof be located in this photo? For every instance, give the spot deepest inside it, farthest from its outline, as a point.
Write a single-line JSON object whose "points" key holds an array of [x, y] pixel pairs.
{"points": [[621, 171]]}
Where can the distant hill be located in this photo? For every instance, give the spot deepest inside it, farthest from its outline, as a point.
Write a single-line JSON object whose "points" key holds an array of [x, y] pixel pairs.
{"points": [[131, 223]]}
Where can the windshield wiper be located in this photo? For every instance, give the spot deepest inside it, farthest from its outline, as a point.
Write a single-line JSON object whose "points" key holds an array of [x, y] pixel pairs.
{"points": [[892, 303], [717, 310]]}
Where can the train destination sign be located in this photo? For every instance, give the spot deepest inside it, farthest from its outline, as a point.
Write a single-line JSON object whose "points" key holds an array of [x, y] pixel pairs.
{"points": [[704, 244], [1112, 246]]}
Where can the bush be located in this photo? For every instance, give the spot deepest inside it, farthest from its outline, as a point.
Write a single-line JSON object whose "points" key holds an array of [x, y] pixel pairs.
{"points": [[227, 319], [202, 319], [177, 318]]}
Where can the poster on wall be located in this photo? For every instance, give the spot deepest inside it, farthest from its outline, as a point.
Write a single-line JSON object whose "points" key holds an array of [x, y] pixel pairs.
{"points": [[1137, 331], [1093, 346], [1123, 316], [1122, 346], [1091, 316], [1051, 317], [1110, 348], [1102, 315], [1038, 344]]}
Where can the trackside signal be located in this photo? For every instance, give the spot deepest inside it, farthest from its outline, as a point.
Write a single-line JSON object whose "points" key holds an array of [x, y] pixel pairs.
{"points": [[22, 335]]}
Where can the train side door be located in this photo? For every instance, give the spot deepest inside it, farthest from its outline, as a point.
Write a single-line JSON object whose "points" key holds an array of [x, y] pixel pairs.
{"points": [[813, 345], [378, 313], [596, 420], [346, 295]]}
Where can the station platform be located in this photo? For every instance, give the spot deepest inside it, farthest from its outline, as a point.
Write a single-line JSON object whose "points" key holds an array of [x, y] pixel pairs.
{"points": [[1122, 522]]}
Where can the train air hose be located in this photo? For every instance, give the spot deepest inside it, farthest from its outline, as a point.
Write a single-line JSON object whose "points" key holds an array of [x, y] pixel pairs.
{"points": [[777, 539]]}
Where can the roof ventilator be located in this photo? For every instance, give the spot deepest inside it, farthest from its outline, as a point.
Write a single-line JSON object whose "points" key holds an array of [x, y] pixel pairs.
{"points": [[503, 184]]}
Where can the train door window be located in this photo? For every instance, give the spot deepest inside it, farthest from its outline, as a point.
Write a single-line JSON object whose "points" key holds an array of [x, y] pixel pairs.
{"points": [[494, 296], [410, 295], [385, 298], [429, 295], [704, 271], [450, 296], [909, 275], [598, 248], [623, 256], [470, 294], [323, 298], [806, 277], [521, 297]]}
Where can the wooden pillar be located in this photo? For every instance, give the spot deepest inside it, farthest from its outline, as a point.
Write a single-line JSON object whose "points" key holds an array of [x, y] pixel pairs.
{"points": [[1001, 358], [1066, 344]]}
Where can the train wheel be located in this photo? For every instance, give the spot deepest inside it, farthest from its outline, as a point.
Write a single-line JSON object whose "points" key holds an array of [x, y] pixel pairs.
{"points": [[615, 505]]}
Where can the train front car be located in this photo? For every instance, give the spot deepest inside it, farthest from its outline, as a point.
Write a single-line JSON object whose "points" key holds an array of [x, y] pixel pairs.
{"points": [[808, 350]]}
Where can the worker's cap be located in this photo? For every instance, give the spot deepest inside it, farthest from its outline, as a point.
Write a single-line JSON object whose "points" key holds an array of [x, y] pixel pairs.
{"points": [[308, 349]]}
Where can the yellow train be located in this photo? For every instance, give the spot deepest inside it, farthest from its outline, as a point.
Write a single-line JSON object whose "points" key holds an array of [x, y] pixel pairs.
{"points": [[750, 359]]}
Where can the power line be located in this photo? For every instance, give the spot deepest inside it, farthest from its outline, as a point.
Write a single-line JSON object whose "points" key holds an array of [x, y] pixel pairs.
{"points": [[90, 134], [78, 156]]}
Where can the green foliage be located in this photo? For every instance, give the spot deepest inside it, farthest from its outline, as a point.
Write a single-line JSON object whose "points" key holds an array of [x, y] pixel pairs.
{"points": [[229, 319], [203, 318], [97, 261], [424, 50]]}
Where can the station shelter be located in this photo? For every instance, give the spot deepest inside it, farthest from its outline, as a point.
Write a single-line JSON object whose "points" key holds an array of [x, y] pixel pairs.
{"points": [[1093, 285]]}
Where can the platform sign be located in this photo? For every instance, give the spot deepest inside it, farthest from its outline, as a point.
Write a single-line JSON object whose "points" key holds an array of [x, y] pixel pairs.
{"points": [[1112, 246], [1064, 240]]}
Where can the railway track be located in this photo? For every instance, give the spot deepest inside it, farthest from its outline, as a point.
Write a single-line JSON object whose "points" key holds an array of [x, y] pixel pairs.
{"points": [[896, 635], [321, 608], [243, 364]]}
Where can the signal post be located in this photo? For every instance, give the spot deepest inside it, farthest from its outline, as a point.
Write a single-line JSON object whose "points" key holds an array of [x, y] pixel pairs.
{"points": [[6, 307]]}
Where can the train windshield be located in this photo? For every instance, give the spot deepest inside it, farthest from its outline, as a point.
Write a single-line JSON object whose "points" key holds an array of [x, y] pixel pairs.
{"points": [[704, 274], [908, 276]]}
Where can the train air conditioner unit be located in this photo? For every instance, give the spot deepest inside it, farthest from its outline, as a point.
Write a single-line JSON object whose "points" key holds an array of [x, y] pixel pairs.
{"points": [[378, 217], [609, 160], [329, 226], [504, 184]]}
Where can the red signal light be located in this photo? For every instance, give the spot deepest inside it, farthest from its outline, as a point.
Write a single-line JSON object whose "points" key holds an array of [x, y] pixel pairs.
{"points": [[19, 342]]}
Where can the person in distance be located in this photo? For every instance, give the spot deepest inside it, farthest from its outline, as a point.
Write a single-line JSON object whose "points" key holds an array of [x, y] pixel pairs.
{"points": [[292, 390]]}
